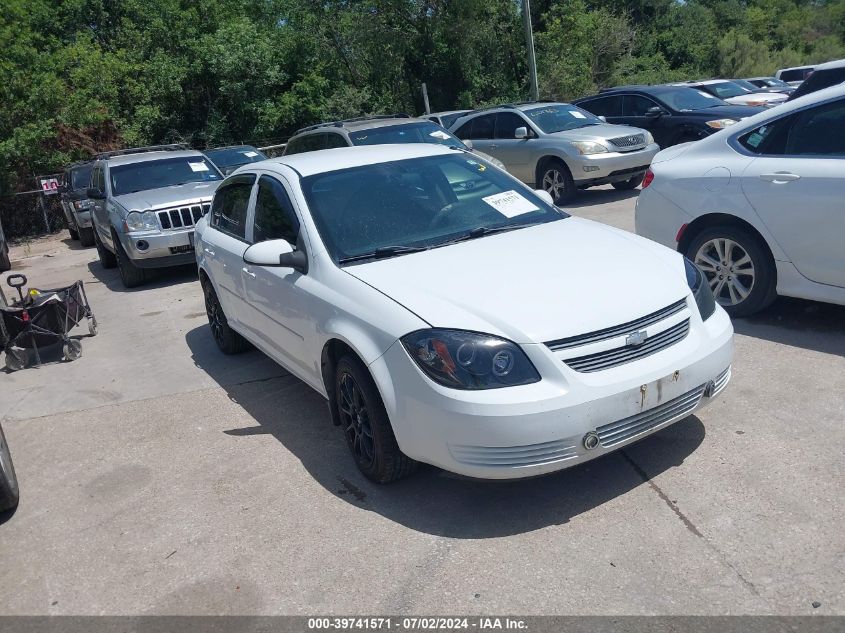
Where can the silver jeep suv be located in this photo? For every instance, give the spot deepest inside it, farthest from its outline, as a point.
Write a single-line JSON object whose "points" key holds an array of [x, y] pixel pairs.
{"points": [[146, 202], [559, 146]]}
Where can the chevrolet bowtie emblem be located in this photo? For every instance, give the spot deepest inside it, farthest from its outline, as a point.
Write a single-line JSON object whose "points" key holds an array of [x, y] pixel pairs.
{"points": [[635, 339]]}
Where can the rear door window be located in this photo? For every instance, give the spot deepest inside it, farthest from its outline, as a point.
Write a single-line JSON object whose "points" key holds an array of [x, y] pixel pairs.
{"points": [[229, 208], [604, 106]]}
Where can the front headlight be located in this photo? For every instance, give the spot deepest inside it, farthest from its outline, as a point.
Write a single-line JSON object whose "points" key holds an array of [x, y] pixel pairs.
{"points": [[720, 124], [468, 360], [700, 287], [586, 148], [81, 205], [141, 221], [649, 139]]}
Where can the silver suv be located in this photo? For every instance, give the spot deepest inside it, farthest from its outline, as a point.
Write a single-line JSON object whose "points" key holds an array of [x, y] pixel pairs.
{"points": [[146, 202], [559, 146]]}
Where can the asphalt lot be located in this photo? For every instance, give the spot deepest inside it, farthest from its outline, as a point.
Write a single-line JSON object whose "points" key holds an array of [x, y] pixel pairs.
{"points": [[160, 477]]}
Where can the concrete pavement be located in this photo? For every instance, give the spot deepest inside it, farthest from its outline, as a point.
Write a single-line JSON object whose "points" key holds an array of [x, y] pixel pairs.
{"points": [[160, 477]]}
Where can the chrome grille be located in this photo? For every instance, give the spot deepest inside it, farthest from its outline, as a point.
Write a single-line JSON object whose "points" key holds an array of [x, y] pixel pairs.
{"points": [[628, 141], [627, 428], [182, 217], [528, 455], [720, 382], [617, 330], [621, 355]]}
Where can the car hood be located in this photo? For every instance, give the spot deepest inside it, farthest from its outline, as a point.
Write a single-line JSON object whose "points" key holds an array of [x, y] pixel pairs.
{"points": [[536, 284], [726, 112], [769, 97], [163, 197], [592, 132]]}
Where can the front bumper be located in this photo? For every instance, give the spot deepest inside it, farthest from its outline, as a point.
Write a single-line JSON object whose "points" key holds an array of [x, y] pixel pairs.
{"points": [[540, 428], [156, 249], [600, 169]]}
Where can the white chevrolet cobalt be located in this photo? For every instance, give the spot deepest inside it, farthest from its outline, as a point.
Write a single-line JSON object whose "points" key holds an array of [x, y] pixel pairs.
{"points": [[453, 316]]}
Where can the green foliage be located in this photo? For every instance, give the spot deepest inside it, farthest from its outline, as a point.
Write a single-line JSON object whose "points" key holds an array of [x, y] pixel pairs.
{"points": [[84, 75]]}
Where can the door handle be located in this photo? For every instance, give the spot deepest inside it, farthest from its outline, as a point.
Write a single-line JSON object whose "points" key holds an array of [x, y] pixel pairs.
{"points": [[780, 177], [247, 271], [208, 252]]}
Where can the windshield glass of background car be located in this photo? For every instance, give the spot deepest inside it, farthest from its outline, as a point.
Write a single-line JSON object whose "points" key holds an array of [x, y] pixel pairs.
{"points": [[428, 132], [80, 177], [234, 156], [421, 202], [726, 90], [154, 174], [687, 99], [559, 118]]}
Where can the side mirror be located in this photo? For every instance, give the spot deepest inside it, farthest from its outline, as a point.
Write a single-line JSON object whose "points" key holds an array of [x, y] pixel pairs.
{"points": [[545, 196], [603, 118], [468, 143], [654, 112], [520, 132], [94, 194], [277, 253]]}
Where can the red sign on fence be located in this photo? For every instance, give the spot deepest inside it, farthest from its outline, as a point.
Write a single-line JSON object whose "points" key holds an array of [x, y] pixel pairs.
{"points": [[49, 186]]}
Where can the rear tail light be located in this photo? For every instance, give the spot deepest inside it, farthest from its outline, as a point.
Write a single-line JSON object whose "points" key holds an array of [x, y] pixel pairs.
{"points": [[649, 176]]}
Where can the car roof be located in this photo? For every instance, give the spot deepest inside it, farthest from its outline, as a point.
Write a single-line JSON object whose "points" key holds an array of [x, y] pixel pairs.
{"points": [[222, 147], [703, 82], [655, 89], [796, 67], [838, 63], [447, 112], [326, 160], [361, 123], [759, 78], [143, 157]]}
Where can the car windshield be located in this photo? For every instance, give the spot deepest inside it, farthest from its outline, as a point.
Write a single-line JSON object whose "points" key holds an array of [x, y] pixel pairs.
{"points": [[689, 99], [561, 117], [386, 209], [750, 87], [165, 172], [80, 177], [234, 156], [725, 89], [415, 132]]}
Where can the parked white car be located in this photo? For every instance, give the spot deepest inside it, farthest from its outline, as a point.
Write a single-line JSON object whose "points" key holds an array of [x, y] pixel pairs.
{"points": [[453, 316], [736, 94], [760, 207]]}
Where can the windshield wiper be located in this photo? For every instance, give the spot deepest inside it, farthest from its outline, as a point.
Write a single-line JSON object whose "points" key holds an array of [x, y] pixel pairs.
{"points": [[483, 231], [382, 252]]}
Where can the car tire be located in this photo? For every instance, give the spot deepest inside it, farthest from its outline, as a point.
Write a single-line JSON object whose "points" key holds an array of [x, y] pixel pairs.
{"points": [[86, 236], [743, 279], [556, 179], [130, 274], [9, 490], [229, 341], [74, 234], [627, 185], [365, 424], [107, 258]]}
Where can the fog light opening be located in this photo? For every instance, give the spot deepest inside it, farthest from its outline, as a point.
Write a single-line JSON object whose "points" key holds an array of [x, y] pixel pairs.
{"points": [[142, 245], [591, 441], [710, 389]]}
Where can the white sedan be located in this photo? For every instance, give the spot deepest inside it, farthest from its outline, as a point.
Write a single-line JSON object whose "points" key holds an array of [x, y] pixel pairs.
{"points": [[453, 316], [760, 206]]}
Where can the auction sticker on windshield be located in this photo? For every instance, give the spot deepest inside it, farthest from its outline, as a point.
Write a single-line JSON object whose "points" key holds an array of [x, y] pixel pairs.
{"points": [[198, 166], [510, 203]]}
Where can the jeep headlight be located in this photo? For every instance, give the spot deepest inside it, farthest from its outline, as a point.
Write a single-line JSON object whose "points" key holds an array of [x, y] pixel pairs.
{"points": [[141, 221], [700, 287], [589, 147]]}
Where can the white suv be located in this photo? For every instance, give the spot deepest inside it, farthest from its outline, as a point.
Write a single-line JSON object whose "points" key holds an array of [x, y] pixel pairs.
{"points": [[446, 312]]}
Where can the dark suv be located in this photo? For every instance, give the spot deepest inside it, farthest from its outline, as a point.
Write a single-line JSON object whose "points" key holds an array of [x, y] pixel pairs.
{"points": [[673, 114], [75, 202]]}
